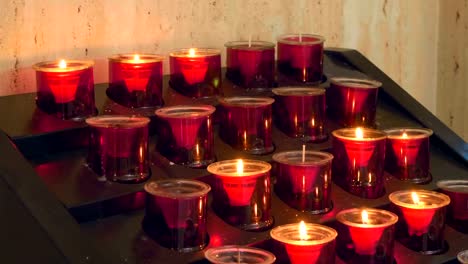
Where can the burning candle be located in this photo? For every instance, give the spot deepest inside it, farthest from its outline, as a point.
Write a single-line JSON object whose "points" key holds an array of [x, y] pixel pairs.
{"points": [[408, 154], [457, 190], [300, 112], [186, 134], [241, 194], [422, 219], [118, 147], [196, 72], [303, 179], [306, 242], [176, 213], [239, 254], [358, 165], [135, 80], [247, 123], [251, 64], [353, 102], [366, 234], [66, 88]]}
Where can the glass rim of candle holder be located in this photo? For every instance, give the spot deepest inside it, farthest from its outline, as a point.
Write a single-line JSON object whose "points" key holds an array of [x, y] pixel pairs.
{"points": [[289, 234], [298, 91], [130, 58], [390, 218], [350, 134], [358, 83], [166, 188], [255, 45], [212, 253], [228, 168], [72, 65], [117, 121], [185, 111], [199, 52], [453, 185], [318, 39], [412, 133], [315, 157], [404, 199], [246, 101]]}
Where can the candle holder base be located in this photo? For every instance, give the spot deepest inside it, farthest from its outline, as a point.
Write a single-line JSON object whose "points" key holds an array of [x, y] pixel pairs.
{"points": [[198, 90], [119, 94], [424, 245]]}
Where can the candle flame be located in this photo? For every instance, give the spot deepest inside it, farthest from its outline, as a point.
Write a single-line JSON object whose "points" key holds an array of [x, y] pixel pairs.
{"points": [[359, 133], [404, 135], [240, 166], [303, 231], [62, 64], [136, 57], [415, 198], [365, 217], [191, 52]]}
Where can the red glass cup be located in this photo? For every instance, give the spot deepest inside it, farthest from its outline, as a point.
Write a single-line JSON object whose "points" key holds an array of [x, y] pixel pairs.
{"points": [[421, 219], [251, 65], [66, 88], [408, 154], [366, 235], [239, 254], [241, 193], [457, 190], [306, 242], [300, 57], [118, 147], [353, 102], [186, 134], [247, 123], [300, 112], [135, 80], [358, 164], [303, 180], [176, 213], [195, 72]]}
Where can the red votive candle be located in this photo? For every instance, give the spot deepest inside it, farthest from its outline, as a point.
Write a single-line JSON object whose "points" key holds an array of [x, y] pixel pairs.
{"points": [[118, 147], [457, 190], [358, 165], [239, 254], [300, 112], [186, 134], [247, 123], [241, 194], [408, 154], [66, 88], [353, 102], [366, 235], [135, 80], [303, 180], [251, 64], [196, 72], [422, 219], [300, 57], [307, 243], [176, 213]]}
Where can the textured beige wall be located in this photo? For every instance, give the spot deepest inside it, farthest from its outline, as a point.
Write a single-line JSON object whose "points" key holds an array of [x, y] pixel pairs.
{"points": [[415, 42]]}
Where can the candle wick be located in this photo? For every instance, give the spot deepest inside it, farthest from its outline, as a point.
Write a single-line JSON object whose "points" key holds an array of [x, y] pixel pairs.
{"points": [[303, 152]]}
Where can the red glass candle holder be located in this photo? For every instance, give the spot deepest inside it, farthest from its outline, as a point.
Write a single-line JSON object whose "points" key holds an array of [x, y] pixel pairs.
{"points": [[421, 219], [353, 102], [408, 154], [306, 242], [300, 112], [303, 180], [457, 190], [251, 65], [366, 235], [239, 254], [186, 134], [247, 123], [300, 57], [241, 193], [118, 147], [196, 72], [358, 164], [176, 213], [135, 80], [66, 88]]}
